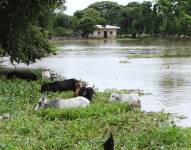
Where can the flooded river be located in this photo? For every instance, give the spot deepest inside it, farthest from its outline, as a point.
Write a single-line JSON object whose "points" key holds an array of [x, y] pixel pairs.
{"points": [[110, 64]]}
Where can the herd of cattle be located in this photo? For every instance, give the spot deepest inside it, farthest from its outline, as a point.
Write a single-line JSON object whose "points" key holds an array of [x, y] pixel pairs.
{"points": [[82, 94]]}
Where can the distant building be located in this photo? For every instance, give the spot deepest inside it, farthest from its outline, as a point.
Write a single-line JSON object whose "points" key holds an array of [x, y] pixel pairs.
{"points": [[104, 31]]}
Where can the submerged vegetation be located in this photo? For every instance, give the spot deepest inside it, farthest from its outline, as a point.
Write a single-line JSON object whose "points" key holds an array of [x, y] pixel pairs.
{"points": [[124, 61], [83, 128], [159, 55]]}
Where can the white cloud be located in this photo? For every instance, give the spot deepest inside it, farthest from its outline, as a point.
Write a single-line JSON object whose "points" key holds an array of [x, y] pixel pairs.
{"points": [[73, 5]]}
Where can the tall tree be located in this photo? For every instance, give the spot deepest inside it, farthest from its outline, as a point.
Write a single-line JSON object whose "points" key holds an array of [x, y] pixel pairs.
{"points": [[90, 13], [146, 16], [125, 21], [20, 36], [176, 17], [183, 12], [131, 16], [87, 19], [108, 10], [167, 8], [86, 26]]}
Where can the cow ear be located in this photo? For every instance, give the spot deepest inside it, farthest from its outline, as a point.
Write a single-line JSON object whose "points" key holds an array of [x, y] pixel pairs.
{"points": [[117, 97], [43, 99]]}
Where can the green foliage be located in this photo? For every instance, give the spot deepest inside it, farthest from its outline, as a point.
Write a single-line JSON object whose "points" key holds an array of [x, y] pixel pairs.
{"points": [[27, 45], [184, 25], [25, 25], [19, 36], [83, 128], [175, 17], [86, 26], [135, 26], [160, 17], [96, 110], [60, 31], [146, 16], [166, 18], [108, 10], [46, 21], [166, 135], [87, 19], [136, 18], [65, 21], [94, 14], [63, 25]]}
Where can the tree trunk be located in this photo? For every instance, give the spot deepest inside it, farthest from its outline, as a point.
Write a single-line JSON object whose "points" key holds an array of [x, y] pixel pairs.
{"points": [[134, 35]]}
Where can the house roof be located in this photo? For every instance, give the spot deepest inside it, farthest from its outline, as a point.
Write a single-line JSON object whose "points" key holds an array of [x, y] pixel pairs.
{"points": [[107, 27]]}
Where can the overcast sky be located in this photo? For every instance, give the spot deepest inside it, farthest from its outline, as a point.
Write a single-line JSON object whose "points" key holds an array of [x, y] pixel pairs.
{"points": [[73, 5]]}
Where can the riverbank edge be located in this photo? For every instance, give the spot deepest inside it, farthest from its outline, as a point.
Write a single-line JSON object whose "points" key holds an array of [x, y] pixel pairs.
{"points": [[143, 40], [121, 38]]}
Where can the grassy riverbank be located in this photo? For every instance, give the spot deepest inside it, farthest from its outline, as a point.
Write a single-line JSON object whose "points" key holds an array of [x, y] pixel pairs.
{"points": [[85, 128]]}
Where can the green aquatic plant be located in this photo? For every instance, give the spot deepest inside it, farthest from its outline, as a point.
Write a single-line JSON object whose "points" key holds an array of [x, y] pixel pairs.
{"points": [[124, 61], [83, 128], [159, 55]]}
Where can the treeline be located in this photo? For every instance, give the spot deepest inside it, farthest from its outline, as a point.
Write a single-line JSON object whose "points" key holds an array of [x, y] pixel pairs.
{"points": [[159, 18]]}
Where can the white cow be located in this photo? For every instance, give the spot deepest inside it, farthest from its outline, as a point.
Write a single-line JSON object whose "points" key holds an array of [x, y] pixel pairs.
{"points": [[133, 98], [62, 103], [46, 74]]}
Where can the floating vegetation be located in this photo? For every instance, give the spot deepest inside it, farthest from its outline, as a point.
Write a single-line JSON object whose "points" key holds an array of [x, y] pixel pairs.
{"points": [[124, 61]]}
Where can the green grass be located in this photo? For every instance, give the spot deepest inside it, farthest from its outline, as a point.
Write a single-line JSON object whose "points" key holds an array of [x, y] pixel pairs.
{"points": [[160, 55], [83, 128]]}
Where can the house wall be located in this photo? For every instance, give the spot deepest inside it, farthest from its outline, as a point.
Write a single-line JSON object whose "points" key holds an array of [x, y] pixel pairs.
{"points": [[99, 33]]}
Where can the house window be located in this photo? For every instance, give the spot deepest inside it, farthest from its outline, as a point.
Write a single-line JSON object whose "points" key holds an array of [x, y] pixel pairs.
{"points": [[99, 32], [111, 32]]}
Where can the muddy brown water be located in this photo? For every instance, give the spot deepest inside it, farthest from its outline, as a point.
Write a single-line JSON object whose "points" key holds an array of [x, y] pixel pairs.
{"points": [[105, 64]]}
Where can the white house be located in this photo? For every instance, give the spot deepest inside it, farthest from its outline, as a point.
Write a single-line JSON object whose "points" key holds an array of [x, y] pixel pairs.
{"points": [[104, 31]]}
